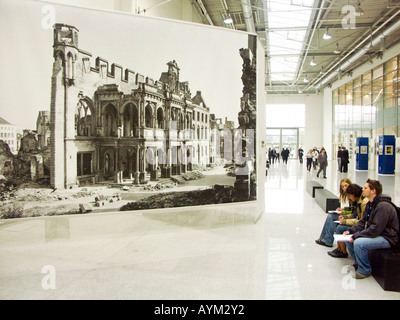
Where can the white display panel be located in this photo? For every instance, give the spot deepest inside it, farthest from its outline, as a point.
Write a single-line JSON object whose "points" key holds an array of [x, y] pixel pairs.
{"points": [[106, 54]]}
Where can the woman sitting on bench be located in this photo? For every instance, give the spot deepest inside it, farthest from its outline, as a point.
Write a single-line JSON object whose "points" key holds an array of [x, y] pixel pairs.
{"points": [[354, 193], [326, 238]]}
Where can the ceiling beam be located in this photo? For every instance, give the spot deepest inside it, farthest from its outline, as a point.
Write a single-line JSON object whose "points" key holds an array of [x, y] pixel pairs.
{"points": [[314, 54], [322, 26]]}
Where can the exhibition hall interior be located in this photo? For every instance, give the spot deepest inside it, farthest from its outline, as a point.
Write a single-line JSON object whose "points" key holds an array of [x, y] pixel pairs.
{"points": [[195, 149]]}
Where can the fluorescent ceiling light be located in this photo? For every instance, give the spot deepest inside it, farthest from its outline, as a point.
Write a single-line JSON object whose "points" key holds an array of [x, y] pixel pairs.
{"points": [[327, 35], [359, 10], [228, 19], [337, 50]]}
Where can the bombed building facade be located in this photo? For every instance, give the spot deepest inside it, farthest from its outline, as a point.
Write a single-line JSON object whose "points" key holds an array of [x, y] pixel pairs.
{"points": [[113, 124]]}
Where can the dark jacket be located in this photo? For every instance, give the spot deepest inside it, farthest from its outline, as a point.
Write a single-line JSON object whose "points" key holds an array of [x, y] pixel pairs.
{"points": [[381, 221], [345, 156]]}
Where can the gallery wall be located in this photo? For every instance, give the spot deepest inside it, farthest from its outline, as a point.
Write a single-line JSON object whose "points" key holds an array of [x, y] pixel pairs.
{"points": [[209, 62]]}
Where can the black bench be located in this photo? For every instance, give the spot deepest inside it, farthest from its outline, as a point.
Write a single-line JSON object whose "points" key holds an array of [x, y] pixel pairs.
{"points": [[385, 264], [312, 185], [326, 200]]}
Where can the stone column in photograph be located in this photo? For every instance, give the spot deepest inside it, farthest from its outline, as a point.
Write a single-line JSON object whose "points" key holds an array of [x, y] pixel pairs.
{"points": [[63, 153], [245, 136]]}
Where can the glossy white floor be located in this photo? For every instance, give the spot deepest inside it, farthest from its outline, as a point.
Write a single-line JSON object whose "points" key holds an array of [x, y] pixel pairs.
{"points": [[202, 253]]}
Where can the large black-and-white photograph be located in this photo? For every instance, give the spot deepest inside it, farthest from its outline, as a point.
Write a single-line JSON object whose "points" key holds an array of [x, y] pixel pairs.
{"points": [[123, 112]]}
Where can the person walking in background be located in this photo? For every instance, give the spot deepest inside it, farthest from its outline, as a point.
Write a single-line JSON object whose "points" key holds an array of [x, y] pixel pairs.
{"points": [[269, 155], [344, 160], [323, 163], [301, 153], [285, 155], [315, 158], [309, 159]]}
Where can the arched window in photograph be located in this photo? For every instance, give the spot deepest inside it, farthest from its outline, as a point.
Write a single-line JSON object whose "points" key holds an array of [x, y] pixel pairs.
{"points": [[127, 122], [173, 119], [70, 66], [83, 119], [108, 165], [135, 121], [181, 121], [110, 121], [148, 115], [160, 118], [187, 121]]}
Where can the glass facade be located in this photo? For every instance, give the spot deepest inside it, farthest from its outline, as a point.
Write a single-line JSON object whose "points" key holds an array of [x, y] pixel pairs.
{"points": [[368, 106], [291, 138]]}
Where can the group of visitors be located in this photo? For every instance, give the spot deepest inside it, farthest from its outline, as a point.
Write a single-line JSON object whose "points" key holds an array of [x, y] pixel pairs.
{"points": [[285, 154], [314, 158], [368, 216], [274, 155]]}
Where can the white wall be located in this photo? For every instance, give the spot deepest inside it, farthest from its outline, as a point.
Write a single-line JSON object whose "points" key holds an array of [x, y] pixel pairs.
{"points": [[313, 119]]}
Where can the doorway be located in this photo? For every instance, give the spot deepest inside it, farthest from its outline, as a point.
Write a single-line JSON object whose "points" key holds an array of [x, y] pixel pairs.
{"points": [[279, 138]]}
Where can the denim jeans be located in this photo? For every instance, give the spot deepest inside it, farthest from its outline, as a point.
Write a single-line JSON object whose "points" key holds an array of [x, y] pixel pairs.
{"points": [[329, 229], [359, 251], [341, 228]]}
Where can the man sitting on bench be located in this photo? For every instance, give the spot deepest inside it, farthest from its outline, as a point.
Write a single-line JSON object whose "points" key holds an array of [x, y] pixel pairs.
{"points": [[378, 229]]}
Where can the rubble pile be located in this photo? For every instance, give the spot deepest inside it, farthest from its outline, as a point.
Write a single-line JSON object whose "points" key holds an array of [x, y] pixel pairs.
{"points": [[150, 186], [193, 175], [28, 200], [7, 190], [13, 210], [214, 195]]}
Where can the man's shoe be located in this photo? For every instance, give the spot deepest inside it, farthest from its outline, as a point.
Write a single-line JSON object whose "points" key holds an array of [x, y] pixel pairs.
{"points": [[321, 243], [325, 178], [338, 254], [359, 275]]}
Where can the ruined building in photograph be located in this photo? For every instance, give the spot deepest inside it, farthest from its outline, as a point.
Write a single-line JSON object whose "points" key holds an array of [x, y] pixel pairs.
{"points": [[113, 124]]}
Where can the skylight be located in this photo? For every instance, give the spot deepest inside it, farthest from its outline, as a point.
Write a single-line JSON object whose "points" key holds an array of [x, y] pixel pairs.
{"points": [[288, 21]]}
